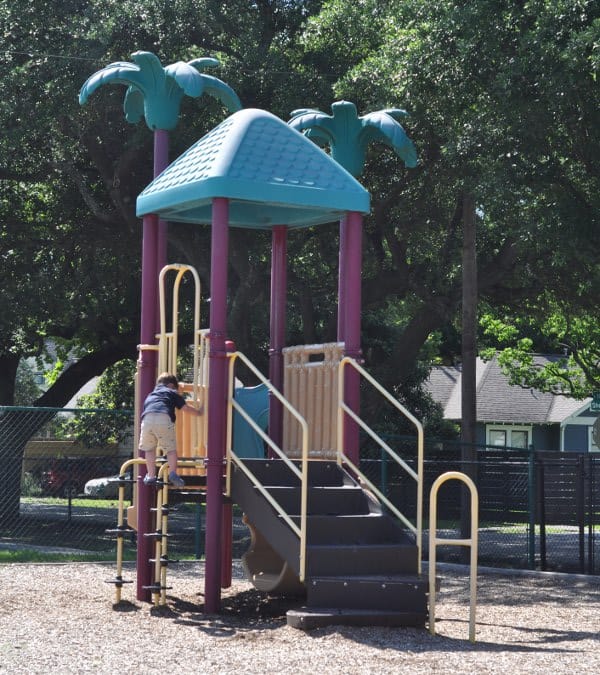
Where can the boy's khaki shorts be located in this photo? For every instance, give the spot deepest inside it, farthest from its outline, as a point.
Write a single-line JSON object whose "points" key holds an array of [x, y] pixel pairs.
{"points": [[157, 430]]}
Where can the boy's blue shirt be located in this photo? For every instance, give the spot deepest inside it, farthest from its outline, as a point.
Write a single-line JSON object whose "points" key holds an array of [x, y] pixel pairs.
{"points": [[162, 399]]}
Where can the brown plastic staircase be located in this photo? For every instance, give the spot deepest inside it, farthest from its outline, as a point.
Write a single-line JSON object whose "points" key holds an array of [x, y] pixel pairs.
{"points": [[361, 565]]}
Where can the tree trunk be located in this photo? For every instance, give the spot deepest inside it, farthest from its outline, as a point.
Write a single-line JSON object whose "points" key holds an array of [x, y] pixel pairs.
{"points": [[469, 356], [17, 426], [8, 375]]}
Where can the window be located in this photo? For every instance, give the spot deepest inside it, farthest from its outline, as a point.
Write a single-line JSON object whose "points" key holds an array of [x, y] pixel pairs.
{"points": [[518, 438], [509, 437], [594, 443]]}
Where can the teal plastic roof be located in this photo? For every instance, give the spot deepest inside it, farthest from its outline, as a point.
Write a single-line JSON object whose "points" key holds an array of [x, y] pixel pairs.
{"points": [[271, 174]]}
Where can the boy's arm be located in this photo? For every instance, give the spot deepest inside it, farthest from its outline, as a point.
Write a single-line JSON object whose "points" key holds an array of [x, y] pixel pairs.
{"points": [[188, 408]]}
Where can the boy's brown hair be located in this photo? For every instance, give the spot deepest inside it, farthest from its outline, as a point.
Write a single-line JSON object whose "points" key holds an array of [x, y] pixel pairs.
{"points": [[167, 378]]}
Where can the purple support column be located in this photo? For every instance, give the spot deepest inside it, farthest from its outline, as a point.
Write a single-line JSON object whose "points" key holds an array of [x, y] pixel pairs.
{"points": [[342, 281], [154, 258], [161, 161], [217, 404], [278, 324], [352, 314], [147, 360]]}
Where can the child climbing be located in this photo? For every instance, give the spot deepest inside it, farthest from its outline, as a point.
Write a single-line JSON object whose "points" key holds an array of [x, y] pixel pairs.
{"points": [[158, 426]]}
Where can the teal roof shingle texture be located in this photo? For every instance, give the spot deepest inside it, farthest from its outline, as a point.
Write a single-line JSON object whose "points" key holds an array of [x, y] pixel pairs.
{"points": [[271, 174]]}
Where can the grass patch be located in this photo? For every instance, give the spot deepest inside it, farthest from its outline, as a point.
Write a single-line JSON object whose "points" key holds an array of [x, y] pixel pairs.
{"points": [[35, 556], [80, 502]]}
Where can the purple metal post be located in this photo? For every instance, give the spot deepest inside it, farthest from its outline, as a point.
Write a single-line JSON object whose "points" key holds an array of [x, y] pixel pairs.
{"points": [[352, 313], [342, 281], [154, 258], [277, 328], [147, 361], [161, 161], [217, 404]]}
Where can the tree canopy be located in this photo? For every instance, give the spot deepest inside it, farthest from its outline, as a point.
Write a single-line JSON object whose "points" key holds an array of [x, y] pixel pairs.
{"points": [[503, 103]]}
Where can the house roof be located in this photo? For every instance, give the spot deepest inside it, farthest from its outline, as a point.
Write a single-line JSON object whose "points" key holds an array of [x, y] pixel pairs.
{"points": [[497, 400], [271, 174]]}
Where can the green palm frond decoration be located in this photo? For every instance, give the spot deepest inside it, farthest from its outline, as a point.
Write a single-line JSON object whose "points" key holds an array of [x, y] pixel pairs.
{"points": [[155, 93], [348, 135]]}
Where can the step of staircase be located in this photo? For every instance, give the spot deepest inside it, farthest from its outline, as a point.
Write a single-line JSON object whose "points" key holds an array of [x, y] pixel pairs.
{"points": [[277, 472], [359, 529], [322, 500], [342, 559], [307, 618], [394, 592]]}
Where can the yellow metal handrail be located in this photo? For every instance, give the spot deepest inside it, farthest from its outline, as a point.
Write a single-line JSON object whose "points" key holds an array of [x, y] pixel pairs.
{"points": [[417, 475], [231, 456], [434, 541], [168, 342]]}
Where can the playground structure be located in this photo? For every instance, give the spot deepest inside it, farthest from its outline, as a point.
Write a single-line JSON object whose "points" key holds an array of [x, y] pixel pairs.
{"points": [[318, 525], [254, 171]]}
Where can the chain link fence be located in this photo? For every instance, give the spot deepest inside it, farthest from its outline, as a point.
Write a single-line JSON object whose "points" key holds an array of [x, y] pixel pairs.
{"points": [[47, 456], [537, 510], [59, 471]]}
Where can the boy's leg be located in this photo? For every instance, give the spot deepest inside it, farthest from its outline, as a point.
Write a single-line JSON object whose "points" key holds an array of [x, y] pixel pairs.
{"points": [[174, 479], [172, 460], [168, 442], [147, 445], [150, 463]]}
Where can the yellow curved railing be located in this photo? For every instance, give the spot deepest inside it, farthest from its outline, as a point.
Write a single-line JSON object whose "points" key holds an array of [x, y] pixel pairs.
{"points": [[168, 340], [344, 409], [191, 434], [232, 457], [434, 541]]}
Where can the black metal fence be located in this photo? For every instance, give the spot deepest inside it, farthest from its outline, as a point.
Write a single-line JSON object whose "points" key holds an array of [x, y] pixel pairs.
{"points": [[537, 510]]}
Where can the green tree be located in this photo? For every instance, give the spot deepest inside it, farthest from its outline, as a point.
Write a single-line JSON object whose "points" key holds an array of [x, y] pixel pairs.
{"points": [[69, 177], [27, 389], [111, 406], [572, 336], [503, 102]]}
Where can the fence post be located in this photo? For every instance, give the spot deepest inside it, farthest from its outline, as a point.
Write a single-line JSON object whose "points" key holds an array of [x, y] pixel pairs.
{"points": [[593, 516], [580, 497], [542, 508], [383, 470], [531, 491], [198, 539]]}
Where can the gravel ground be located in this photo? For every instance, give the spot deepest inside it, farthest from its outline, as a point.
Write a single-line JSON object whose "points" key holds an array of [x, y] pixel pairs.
{"points": [[61, 618]]}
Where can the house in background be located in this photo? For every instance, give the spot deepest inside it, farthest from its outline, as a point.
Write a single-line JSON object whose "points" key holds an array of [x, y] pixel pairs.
{"points": [[517, 417]]}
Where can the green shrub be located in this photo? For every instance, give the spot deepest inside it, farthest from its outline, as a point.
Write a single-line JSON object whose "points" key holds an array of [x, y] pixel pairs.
{"points": [[30, 485]]}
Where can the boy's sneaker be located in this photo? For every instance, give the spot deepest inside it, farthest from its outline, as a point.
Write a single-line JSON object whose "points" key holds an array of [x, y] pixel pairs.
{"points": [[175, 480], [150, 480]]}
